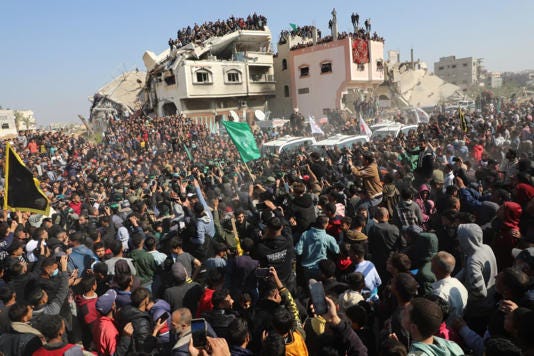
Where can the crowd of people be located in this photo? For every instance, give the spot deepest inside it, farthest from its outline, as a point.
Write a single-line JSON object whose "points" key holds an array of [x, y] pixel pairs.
{"points": [[199, 33], [423, 243], [361, 34], [301, 31]]}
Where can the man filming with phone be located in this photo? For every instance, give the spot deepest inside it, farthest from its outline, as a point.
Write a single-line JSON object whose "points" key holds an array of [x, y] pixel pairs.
{"points": [[275, 299]]}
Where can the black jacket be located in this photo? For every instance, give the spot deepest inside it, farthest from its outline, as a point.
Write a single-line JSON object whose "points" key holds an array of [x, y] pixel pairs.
{"points": [[384, 238], [14, 343], [262, 320], [219, 320], [184, 295], [142, 338], [279, 253], [303, 210]]}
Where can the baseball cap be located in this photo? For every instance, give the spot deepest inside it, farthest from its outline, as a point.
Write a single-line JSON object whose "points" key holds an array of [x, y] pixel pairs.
{"points": [[105, 301]]}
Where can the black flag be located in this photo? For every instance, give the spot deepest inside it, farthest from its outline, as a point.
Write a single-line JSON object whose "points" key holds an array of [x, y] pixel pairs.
{"points": [[22, 191]]}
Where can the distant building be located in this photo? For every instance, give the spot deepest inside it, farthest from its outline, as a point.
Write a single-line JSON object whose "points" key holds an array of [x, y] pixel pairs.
{"points": [[318, 75], [463, 72], [207, 80], [393, 57], [7, 124], [494, 79], [27, 120]]}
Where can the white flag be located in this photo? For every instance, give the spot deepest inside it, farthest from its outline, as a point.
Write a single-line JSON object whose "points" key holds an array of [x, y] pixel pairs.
{"points": [[364, 128], [422, 116], [315, 129]]}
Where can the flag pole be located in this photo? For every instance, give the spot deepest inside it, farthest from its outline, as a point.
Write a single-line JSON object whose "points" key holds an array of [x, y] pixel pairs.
{"points": [[249, 172]]}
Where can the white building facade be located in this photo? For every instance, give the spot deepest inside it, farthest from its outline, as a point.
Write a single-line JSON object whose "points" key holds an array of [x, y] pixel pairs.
{"points": [[8, 127], [229, 73]]}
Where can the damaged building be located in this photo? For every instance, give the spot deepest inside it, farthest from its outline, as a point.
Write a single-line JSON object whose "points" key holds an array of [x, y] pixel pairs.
{"points": [[411, 84], [118, 99], [209, 79]]}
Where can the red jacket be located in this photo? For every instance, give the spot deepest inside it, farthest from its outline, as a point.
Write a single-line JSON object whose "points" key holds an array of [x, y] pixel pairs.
{"points": [[76, 207], [205, 304], [105, 336], [59, 350], [86, 309], [478, 150]]}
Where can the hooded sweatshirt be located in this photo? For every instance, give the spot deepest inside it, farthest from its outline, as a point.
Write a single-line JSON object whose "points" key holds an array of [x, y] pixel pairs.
{"points": [[440, 347], [81, 258], [480, 269], [525, 192], [205, 224], [427, 206], [313, 246], [426, 246], [86, 307], [277, 252], [303, 209], [506, 241]]}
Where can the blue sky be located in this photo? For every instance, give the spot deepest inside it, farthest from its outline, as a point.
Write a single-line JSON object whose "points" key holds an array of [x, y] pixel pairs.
{"points": [[57, 53]]}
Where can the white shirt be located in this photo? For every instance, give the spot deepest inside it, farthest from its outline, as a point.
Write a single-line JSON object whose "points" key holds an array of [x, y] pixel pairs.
{"points": [[454, 292], [449, 180], [372, 279]]}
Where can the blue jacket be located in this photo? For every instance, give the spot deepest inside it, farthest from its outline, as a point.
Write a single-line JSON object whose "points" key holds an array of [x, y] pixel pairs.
{"points": [[205, 225], [81, 258], [313, 247]]}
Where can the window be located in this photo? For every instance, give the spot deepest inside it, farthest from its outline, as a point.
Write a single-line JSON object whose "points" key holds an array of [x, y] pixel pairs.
{"points": [[441, 68], [233, 77], [453, 66], [304, 90], [284, 64], [286, 91], [326, 67], [465, 64], [170, 80], [379, 65], [202, 77], [304, 71]]}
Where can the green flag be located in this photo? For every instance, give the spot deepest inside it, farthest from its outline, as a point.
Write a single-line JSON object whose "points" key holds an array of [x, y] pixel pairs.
{"points": [[293, 26], [188, 153], [243, 140]]}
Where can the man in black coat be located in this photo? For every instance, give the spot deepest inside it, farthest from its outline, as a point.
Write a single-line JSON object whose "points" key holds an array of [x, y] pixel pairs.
{"points": [[185, 293], [302, 209], [384, 238], [144, 333], [221, 316], [277, 251]]}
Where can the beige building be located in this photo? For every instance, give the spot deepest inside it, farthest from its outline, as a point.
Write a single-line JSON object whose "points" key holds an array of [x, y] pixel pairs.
{"points": [[463, 72], [316, 76], [233, 72], [494, 79]]}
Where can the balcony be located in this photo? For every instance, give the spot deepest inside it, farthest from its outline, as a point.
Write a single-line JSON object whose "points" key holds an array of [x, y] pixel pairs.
{"points": [[261, 78]]}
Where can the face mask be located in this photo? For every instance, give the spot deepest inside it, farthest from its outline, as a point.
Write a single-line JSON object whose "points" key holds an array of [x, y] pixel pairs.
{"points": [[55, 273]]}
